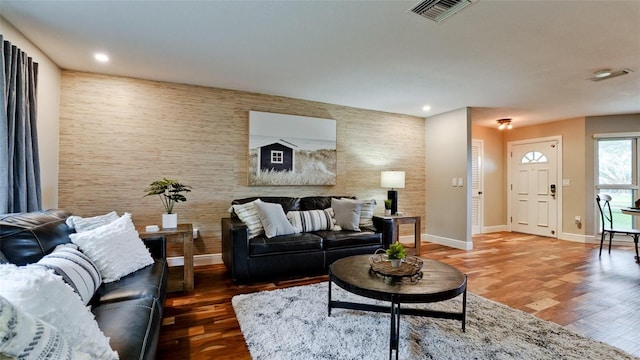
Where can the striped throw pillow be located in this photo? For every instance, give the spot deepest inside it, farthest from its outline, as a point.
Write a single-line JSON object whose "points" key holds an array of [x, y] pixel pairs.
{"points": [[75, 268], [311, 220], [249, 216], [366, 215]]}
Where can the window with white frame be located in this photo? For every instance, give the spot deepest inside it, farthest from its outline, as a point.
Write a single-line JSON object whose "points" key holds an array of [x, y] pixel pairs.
{"points": [[277, 156], [534, 157], [617, 174]]}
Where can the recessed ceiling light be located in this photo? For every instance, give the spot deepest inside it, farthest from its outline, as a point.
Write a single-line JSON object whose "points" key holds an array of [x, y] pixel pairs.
{"points": [[426, 108], [101, 57]]}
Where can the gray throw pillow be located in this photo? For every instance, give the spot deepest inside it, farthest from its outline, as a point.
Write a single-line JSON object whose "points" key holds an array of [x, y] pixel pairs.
{"points": [[347, 213], [273, 219]]}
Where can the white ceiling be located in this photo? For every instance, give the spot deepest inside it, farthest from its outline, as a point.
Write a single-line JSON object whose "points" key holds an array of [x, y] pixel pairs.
{"points": [[524, 59]]}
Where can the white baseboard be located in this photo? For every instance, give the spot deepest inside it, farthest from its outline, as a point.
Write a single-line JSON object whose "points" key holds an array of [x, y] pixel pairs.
{"points": [[495, 228], [198, 260], [576, 238], [454, 243]]}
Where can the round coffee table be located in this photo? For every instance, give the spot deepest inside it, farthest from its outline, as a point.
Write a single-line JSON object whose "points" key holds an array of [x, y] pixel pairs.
{"points": [[439, 282]]}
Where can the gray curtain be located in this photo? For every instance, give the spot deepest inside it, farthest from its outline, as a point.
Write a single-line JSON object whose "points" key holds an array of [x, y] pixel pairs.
{"points": [[19, 163]]}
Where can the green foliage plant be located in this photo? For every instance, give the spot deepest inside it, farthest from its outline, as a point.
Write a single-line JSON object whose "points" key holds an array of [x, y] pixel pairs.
{"points": [[387, 204], [169, 191], [396, 251]]}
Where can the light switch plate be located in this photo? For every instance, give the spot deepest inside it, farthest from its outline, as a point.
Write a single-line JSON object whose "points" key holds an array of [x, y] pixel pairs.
{"points": [[454, 182], [460, 182]]}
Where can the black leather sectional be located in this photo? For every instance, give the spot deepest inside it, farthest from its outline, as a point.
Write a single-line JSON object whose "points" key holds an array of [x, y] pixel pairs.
{"points": [[129, 311], [259, 258]]}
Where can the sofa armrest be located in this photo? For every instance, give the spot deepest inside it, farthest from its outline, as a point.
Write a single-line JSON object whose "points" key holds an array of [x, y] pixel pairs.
{"points": [[157, 246], [385, 226], [235, 248]]}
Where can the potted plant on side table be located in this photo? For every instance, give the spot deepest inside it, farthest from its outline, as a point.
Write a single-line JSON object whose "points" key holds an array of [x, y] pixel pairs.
{"points": [[387, 207], [395, 253], [170, 193]]}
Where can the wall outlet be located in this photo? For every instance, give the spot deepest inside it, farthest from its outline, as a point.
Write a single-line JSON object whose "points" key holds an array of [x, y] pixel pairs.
{"points": [[578, 219], [195, 233]]}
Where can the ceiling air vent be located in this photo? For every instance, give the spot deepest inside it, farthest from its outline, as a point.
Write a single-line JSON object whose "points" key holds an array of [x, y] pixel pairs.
{"points": [[438, 10]]}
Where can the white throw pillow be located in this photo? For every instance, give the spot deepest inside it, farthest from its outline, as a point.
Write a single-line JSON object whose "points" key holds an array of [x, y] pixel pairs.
{"points": [[249, 216], [273, 219], [85, 224], [45, 296], [311, 220], [27, 338], [75, 268], [347, 213], [115, 248]]}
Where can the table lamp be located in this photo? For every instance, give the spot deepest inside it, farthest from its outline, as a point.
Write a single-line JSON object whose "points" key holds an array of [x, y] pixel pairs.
{"points": [[393, 180]]}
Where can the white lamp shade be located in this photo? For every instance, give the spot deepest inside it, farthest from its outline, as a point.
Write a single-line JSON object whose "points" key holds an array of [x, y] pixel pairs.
{"points": [[392, 179]]}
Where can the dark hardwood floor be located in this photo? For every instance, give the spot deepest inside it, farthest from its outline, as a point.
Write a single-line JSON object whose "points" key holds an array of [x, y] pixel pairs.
{"points": [[556, 280]]}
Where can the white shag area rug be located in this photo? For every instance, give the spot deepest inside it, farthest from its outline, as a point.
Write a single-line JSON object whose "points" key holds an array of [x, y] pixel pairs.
{"points": [[292, 323]]}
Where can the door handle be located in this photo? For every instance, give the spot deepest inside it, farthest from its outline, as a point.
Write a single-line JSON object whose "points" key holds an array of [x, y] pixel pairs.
{"points": [[553, 190]]}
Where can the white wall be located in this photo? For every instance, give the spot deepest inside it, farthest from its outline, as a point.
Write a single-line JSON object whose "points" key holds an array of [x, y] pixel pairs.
{"points": [[49, 76], [448, 156]]}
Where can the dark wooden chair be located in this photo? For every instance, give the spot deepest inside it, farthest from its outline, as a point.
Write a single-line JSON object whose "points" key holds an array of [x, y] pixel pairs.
{"points": [[606, 218]]}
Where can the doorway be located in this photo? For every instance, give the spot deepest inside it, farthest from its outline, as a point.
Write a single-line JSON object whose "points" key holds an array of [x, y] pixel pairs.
{"points": [[534, 192]]}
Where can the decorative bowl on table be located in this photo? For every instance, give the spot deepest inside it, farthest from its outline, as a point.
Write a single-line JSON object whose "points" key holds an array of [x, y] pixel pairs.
{"points": [[409, 267]]}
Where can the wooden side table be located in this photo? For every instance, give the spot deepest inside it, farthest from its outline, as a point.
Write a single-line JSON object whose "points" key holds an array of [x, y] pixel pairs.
{"points": [[394, 221], [183, 233]]}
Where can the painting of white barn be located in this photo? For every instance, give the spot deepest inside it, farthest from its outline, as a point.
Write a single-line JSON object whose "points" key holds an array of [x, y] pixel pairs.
{"points": [[291, 150]]}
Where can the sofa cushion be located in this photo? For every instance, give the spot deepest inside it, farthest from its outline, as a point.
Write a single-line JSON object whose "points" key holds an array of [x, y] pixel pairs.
{"points": [[285, 244], [273, 219], [347, 213], [366, 215], [75, 268], [287, 203], [338, 239], [45, 296], [26, 237], [81, 224], [115, 248], [247, 213], [133, 326], [25, 337], [148, 282], [320, 202], [311, 220]]}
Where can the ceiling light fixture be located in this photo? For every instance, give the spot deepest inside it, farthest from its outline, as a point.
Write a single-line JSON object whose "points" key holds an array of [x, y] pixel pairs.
{"points": [[426, 108], [605, 74], [602, 73], [101, 57], [504, 123]]}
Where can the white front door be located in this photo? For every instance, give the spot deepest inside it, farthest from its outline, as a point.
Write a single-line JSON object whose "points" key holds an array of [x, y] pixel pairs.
{"points": [[476, 187], [534, 188]]}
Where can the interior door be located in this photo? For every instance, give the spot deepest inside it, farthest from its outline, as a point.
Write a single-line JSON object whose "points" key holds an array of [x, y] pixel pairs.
{"points": [[476, 187], [534, 186]]}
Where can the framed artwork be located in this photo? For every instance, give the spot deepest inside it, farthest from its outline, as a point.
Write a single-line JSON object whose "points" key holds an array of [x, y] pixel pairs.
{"points": [[291, 150]]}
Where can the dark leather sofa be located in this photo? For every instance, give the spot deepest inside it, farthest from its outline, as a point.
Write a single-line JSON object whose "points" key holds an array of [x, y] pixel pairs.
{"points": [[286, 256], [129, 311]]}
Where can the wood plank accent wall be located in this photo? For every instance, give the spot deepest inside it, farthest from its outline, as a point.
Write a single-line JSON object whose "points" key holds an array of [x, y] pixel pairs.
{"points": [[119, 134]]}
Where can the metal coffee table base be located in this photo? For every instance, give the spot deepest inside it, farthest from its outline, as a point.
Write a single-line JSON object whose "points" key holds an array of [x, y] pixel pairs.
{"points": [[395, 311]]}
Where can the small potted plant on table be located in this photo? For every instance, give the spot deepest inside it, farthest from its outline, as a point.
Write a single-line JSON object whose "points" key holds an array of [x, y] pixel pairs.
{"points": [[387, 207], [170, 192], [395, 253]]}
